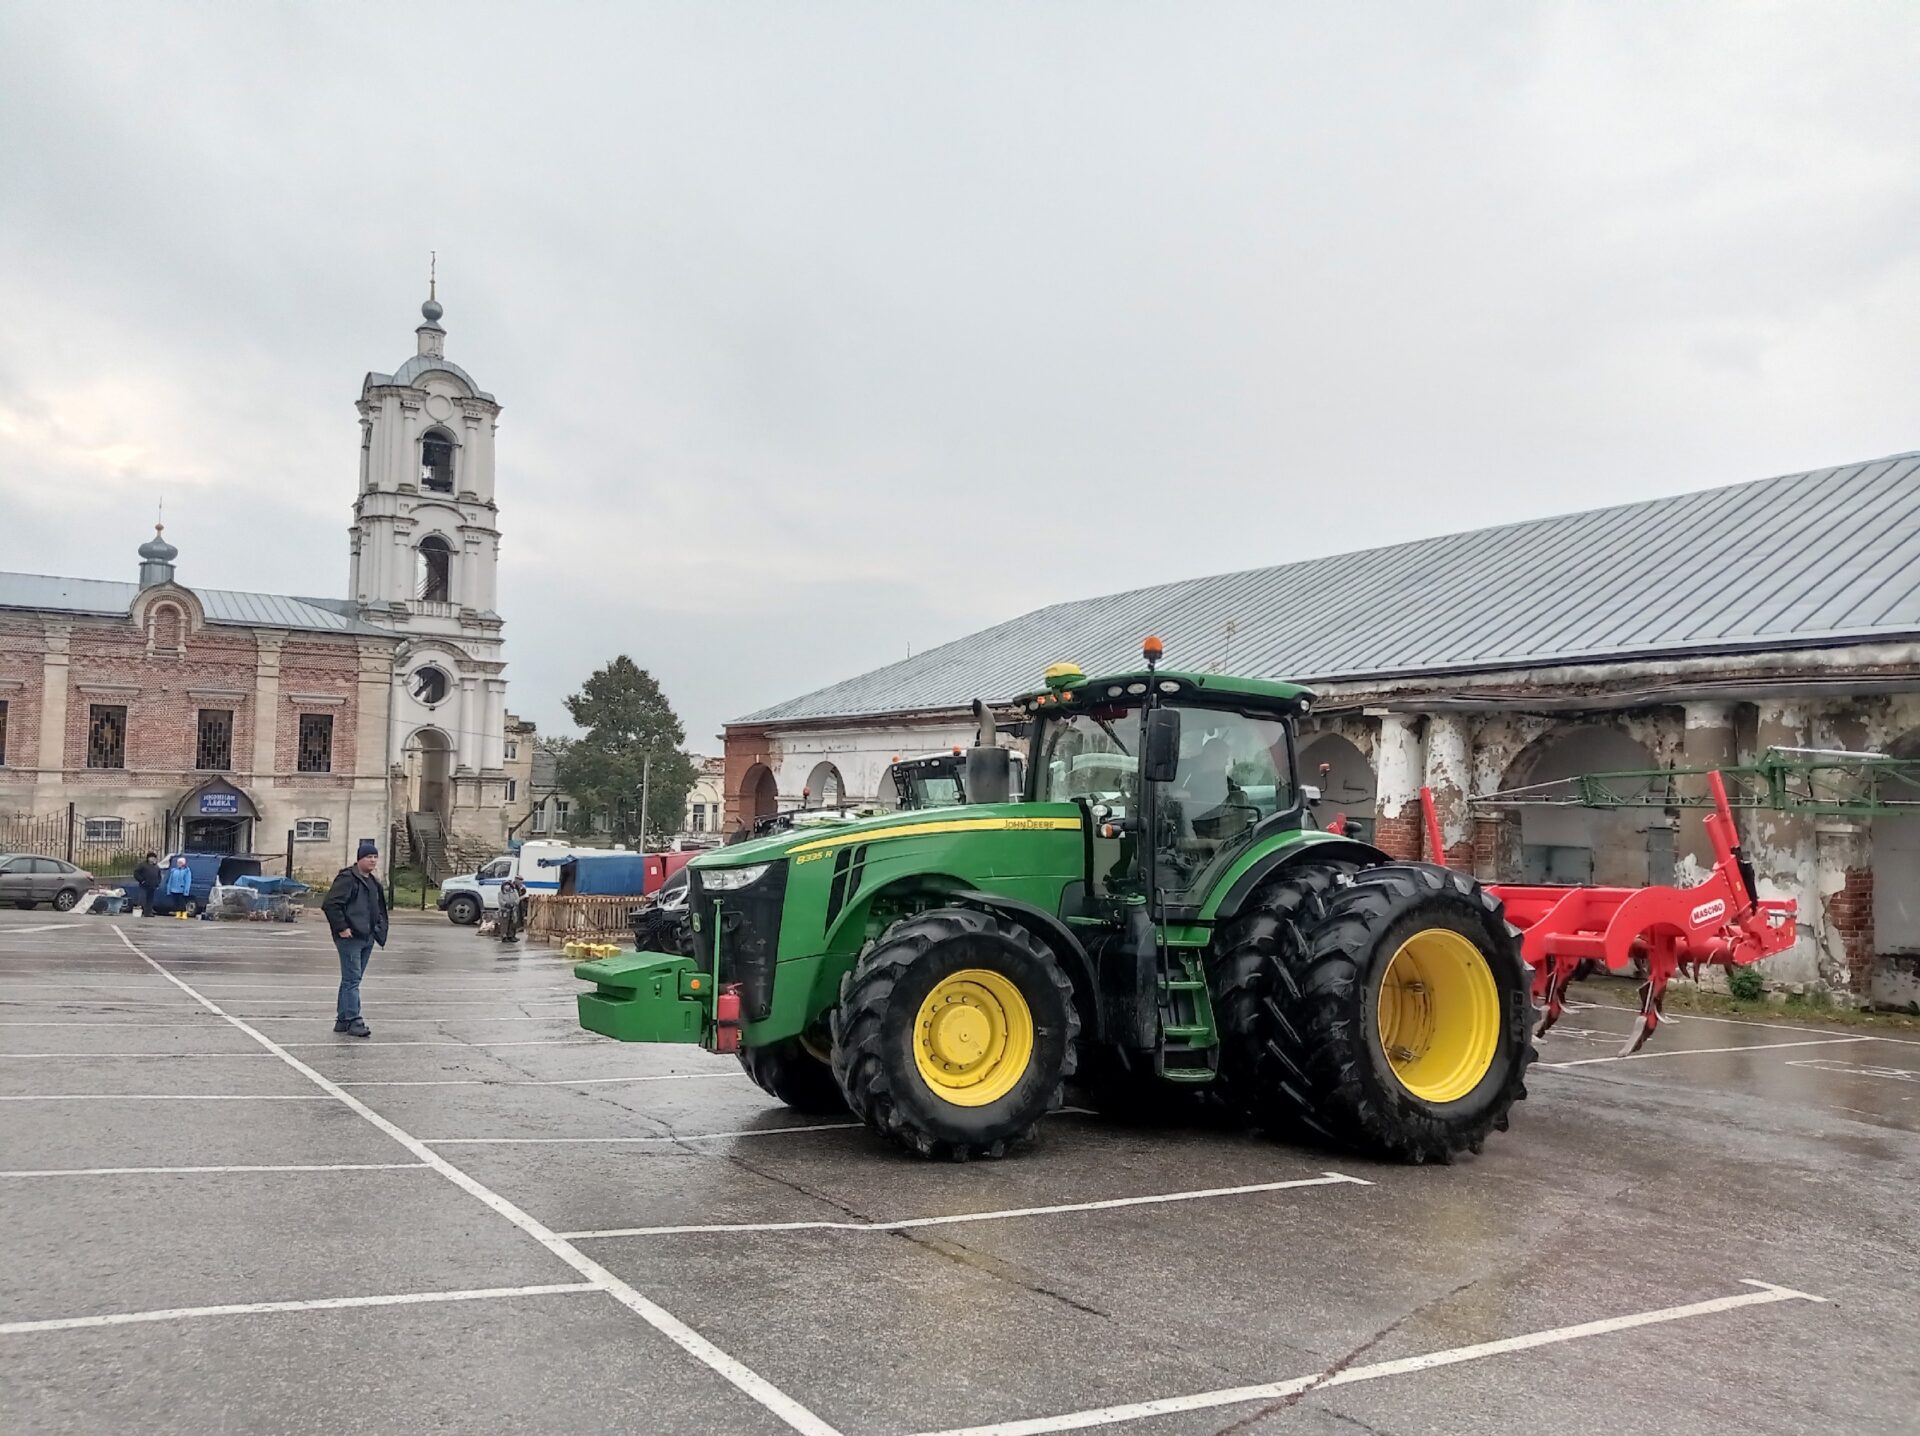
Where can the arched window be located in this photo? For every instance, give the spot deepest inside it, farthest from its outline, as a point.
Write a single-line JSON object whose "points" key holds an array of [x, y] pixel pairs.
{"points": [[166, 630], [825, 788], [436, 569], [436, 461]]}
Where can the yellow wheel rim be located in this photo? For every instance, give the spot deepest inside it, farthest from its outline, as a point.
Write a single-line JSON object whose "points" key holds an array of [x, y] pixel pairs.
{"points": [[973, 1038], [1439, 1013]]}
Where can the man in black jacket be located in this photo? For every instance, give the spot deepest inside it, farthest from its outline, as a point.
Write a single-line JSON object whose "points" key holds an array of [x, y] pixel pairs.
{"points": [[146, 877], [356, 910]]}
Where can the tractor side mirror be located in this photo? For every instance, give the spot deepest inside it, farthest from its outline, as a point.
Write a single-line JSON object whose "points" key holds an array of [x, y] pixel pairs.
{"points": [[1311, 794], [1163, 745]]}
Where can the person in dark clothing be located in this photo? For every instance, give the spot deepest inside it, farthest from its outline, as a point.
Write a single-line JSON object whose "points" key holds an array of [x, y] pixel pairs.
{"points": [[356, 910], [147, 877], [510, 919]]}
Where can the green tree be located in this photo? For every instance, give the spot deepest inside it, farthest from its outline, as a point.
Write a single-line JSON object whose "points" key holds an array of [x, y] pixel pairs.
{"points": [[625, 717]]}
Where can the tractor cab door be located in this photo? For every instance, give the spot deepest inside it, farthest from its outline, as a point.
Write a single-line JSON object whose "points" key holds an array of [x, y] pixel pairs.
{"points": [[1235, 773]]}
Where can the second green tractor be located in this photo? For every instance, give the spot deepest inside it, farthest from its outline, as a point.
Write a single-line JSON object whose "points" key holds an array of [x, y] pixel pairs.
{"points": [[1155, 917]]}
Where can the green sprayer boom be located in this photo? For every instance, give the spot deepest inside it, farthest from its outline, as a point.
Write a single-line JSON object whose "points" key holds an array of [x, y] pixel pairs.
{"points": [[1816, 781]]}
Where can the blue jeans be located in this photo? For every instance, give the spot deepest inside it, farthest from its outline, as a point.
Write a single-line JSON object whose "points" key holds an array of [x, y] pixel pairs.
{"points": [[354, 955]]}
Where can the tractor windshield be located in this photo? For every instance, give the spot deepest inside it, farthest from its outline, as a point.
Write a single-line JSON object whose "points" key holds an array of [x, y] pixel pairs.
{"points": [[1236, 771], [930, 787], [1089, 754]]}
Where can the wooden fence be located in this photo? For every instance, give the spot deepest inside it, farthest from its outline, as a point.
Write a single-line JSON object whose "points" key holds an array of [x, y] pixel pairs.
{"points": [[108, 847], [558, 920]]}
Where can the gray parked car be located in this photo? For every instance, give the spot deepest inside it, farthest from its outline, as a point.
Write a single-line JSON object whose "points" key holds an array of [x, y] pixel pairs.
{"points": [[27, 880]]}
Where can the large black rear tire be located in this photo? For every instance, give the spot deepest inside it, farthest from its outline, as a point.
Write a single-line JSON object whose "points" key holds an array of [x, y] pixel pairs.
{"points": [[1255, 959], [1387, 1011], [792, 1074], [955, 1034]]}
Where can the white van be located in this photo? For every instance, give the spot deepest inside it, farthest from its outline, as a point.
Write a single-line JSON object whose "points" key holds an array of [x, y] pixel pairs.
{"points": [[469, 897]]}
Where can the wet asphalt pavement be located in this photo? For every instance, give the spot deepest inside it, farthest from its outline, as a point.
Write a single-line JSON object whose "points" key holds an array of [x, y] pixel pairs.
{"points": [[640, 1241]]}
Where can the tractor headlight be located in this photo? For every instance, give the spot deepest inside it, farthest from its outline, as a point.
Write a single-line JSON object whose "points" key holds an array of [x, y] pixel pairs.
{"points": [[721, 880]]}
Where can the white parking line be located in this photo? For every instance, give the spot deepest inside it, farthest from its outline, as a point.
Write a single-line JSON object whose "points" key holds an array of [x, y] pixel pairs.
{"points": [[181, 1171], [135, 1054], [1766, 1294], [1858, 1069], [163, 1097], [266, 989], [632, 1141], [1700, 1051], [350, 1044], [142, 1011], [1326, 1179], [185, 1012], [1733, 1021], [374, 1015], [559, 1081], [256, 1308], [749, 1382], [276, 1016]]}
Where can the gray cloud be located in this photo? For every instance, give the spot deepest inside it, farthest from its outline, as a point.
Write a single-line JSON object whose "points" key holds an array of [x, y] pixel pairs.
{"points": [[824, 330]]}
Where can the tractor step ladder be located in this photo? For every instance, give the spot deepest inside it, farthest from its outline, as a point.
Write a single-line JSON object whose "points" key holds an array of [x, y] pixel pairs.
{"points": [[1189, 1051]]}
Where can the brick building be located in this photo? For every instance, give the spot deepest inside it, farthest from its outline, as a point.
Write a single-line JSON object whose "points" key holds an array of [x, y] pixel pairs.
{"points": [[169, 715], [1687, 631], [175, 717]]}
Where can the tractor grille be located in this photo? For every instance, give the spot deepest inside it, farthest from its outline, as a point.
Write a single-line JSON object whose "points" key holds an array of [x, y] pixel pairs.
{"points": [[749, 921]]}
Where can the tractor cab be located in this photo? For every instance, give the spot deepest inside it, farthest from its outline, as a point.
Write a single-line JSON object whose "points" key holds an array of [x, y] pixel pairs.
{"points": [[935, 780], [1199, 763]]}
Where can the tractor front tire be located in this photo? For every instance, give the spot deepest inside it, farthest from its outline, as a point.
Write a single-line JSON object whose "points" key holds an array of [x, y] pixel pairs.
{"points": [[955, 1034], [1393, 1016], [789, 1072]]}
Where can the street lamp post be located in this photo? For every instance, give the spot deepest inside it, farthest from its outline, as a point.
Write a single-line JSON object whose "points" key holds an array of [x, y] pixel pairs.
{"points": [[646, 778]]}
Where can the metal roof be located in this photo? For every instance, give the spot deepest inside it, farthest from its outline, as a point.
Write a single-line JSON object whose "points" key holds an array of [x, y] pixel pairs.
{"points": [[110, 598], [1803, 559]]}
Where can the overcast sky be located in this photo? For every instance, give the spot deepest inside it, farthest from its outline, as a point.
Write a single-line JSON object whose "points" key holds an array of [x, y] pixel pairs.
{"points": [[826, 331]]}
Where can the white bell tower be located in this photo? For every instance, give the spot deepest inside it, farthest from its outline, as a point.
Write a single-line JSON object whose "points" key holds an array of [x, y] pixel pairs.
{"points": [[426, 547]]}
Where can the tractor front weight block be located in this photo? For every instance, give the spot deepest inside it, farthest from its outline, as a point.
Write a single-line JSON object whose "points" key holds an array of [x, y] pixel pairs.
{"points": [[646, 997]]}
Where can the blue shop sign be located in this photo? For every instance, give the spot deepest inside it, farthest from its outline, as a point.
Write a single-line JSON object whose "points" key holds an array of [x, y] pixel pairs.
{"points": [[217, 803]]}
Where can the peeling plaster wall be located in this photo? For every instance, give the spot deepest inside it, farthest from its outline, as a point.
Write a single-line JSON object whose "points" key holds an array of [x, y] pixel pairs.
{"points": [[1781, 846]]}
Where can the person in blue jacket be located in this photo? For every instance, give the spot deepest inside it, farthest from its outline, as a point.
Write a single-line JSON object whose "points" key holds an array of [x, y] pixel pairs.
{"points": [[356, 910], [180, 886]]}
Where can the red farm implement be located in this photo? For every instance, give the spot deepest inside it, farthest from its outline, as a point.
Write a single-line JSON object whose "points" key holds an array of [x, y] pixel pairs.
{"points": [[1721, 921]]}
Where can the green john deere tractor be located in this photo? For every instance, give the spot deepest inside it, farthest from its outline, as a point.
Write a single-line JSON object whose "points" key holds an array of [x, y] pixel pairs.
{"points": [[1158, 916]]}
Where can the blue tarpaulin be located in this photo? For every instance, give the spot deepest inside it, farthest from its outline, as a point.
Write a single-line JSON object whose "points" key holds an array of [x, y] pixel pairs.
{"points": [[604, 874], [271, 885]]}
